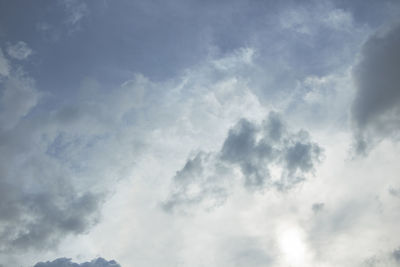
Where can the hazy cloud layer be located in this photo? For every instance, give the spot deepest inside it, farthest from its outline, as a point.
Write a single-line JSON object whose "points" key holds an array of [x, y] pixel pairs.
{"points": [[64, 262], [268, 155], [376, 108]]}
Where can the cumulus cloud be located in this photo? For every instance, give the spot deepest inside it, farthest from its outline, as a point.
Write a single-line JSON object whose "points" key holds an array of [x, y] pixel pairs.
{"points": [[266, 155], [64, 262], [376, 107], [19, 50]]}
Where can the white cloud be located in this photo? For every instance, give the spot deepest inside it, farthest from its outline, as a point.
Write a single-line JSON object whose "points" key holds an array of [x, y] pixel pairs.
{"points": [[19, 51]]}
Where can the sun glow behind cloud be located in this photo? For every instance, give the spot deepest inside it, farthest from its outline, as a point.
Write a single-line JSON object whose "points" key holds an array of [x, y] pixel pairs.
{"points": [[293, 246]]}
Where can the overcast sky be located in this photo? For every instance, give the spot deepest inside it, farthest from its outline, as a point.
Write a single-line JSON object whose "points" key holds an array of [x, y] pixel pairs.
{"points": [[241, 133]]}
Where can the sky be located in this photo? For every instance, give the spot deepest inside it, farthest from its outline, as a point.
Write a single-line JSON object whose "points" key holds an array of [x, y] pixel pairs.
{"points": [[199, 133]]}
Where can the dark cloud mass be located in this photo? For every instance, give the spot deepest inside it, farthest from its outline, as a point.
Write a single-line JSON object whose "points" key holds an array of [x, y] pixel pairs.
{"points": [[376, 108], [255, 150], [64, 262]]}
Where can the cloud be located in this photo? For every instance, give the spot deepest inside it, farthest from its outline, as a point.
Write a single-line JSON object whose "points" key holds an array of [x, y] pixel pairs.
{"points": [[56, 167], [257, 149], [396, 255], [19, 50], [39, 202], [76, 10], [19, 96], [394, 192], [266, 155], [203, 180], [386, 258], [64, 262], [317, 207], [376, 107], [4, 66]]}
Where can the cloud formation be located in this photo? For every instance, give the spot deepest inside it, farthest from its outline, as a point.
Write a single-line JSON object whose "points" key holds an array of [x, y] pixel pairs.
{"points": [[38, 202], [19, 51], [52, 162], [376, 107], [267, 155], [64, 262]]}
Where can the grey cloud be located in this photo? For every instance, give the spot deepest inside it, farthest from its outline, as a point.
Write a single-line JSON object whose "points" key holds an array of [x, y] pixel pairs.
{"points": [[19, 50], [246, 251], [396, 255], [387, 258], [64, 262], [394, 192], [4, 66], [376, 107], [52, 163], [255, 150], [201, 180], [317, 207], [36, 212]]}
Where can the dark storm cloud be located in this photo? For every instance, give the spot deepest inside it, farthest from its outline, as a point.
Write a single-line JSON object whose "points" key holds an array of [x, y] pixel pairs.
{"points": [[64, 262], [254, 149], [376, 108]]}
